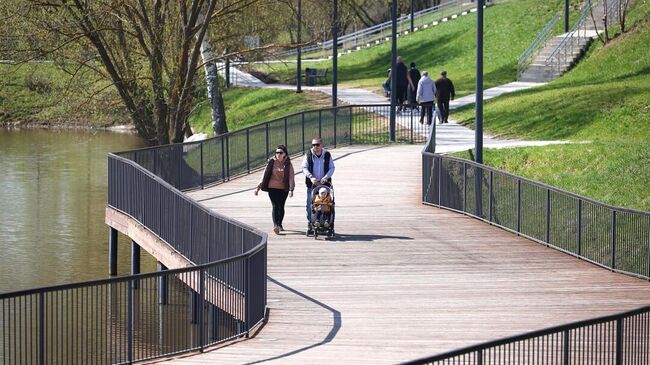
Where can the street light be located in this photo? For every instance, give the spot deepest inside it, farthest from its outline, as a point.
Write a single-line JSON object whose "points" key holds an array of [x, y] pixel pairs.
{"points": [[298, 54], [393, 71], [335, 51], [479, 82]]}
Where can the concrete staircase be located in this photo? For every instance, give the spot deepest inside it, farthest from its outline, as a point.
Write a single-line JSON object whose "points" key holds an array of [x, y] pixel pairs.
{"points": [[539, 71]]}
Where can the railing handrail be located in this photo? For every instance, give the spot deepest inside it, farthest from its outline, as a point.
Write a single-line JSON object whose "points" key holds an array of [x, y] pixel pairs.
{"points": [[586, 8], [530, 335], [327, 44], [541, 37]]}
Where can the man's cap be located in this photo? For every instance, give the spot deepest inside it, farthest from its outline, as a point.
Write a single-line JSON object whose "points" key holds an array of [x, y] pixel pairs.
{"points": [[443, 72]]}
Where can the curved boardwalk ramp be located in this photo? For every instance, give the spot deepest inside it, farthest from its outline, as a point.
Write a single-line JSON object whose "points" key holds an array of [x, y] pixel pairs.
{"points": [[402, 280]]}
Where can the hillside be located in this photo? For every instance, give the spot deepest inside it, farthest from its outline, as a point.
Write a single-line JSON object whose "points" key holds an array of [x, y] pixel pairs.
{"points": [[603, 103]]}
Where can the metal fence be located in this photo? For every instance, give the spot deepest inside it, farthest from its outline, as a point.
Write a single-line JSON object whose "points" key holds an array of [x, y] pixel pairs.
{"points": [[617, 339], [379, 33], [197, 164], [538, 43], [572, 41]]}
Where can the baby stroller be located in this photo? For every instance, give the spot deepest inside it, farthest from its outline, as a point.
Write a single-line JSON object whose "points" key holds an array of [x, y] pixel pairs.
{"points": [[324, 225]]}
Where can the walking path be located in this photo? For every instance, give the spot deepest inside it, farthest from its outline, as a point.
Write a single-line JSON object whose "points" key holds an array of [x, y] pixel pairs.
{"points": [[401, 280], [450, 137]]}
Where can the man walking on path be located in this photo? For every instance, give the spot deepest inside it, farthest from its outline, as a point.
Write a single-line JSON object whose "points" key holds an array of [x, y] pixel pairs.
{"points": [[403, 82], [414, 74], [318, 167], [444, 91], [425, 95]]}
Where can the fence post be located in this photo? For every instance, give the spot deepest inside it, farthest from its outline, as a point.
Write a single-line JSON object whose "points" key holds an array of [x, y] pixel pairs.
{"points": [[223, 160], [129, 324], [440, 181], [479, 357], [613, 239], [351, 110], [490, 199], [227, 156], [320, 123], [41, 328], [619, 341], [518, 206], [286, 143], [303, 133], [267, 142], [336, 114], [464, 187], [565, 345], [248, 150], [201, 308], [548, 215], [579, 230], [201, 144], [247, 287]]}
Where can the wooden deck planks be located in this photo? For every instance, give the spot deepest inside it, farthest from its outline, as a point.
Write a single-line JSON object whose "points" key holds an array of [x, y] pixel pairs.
{"points": [[402, 280]]}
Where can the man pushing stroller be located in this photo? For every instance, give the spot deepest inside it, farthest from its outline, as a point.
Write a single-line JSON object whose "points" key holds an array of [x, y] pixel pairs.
{"points": [[318, 167]]}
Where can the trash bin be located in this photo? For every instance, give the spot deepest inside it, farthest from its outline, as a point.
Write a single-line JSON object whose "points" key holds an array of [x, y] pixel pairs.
{"points": [[310, 76]]}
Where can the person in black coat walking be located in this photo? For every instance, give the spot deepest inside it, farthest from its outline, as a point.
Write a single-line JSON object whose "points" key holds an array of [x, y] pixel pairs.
{"points": [[444, 92]]}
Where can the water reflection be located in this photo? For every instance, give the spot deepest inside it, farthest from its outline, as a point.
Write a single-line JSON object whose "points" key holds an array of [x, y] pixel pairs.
{"points": [[52, 227]]}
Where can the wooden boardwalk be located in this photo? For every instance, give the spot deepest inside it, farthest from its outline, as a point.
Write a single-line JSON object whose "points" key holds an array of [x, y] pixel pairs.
{"points": [[402, 280]]}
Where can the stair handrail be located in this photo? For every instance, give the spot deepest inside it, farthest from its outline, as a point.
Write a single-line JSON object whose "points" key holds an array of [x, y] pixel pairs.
{"points": [[378, 28], [542, 37], [571, 38]]}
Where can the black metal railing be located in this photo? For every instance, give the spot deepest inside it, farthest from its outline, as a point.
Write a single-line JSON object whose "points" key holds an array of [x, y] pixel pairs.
{"points": [[198, 164], [616, 339], [612, 237]]}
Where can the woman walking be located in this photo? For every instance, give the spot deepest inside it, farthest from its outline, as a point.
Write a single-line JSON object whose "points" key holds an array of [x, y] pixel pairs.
{"points": [[278, 181]]}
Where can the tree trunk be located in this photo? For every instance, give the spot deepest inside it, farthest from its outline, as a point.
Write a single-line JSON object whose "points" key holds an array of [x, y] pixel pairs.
{"points": [[219, 123]]}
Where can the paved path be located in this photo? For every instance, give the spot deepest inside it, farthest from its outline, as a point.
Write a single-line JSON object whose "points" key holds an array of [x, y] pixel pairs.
{"points": [[450, 137], [402, 280]]}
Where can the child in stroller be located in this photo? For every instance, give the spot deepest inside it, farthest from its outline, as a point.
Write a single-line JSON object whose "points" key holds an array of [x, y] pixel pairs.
{"points": [[322, 210]]}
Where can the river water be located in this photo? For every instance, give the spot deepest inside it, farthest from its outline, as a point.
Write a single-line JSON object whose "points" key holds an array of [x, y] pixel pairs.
{"points": [[54, 189]]}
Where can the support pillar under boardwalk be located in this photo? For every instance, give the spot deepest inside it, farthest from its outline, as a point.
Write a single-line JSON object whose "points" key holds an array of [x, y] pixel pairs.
{"points": [[162, 285], [135, 261], [112, 251]]}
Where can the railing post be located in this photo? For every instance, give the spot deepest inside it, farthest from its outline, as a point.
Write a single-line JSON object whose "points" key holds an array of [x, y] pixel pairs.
{"points": [[267, 142], [490, 198], [336, 113], [440, 181], [464, 187], [248, 150], [247, 301], [202, 181], [162, 284], [579, 229], [351, 117], [613, 239], [619, 341], [227, 156], [201, 307], [286, 138], [518, 206], [135, 261], [303, 133], [479, 357], [41, 328], [548, 215], [320, 123], [223, 159], [565, 346], [129, 319]]}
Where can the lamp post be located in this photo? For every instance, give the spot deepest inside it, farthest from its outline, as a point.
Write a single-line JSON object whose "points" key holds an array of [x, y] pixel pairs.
{"points": [[411, 7], [335, 51], [479, 82], [298, 51], [393, 71]]}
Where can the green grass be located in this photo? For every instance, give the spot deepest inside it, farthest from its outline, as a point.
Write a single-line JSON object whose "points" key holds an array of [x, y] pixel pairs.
{"points": [[509, 29], [603, 102], [247, 106], [42, 93]]}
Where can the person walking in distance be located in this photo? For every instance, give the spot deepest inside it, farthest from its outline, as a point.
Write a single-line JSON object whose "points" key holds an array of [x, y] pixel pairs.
{"points": [[425, 96], [278, 181], [318, 167], [403, 83], [414, 74], [444, 92]]}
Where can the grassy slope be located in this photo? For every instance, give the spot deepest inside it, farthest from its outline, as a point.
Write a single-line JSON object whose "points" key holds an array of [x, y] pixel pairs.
{"points": [[605, 100], [509, 29], [66, 102], [245, 107]]}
